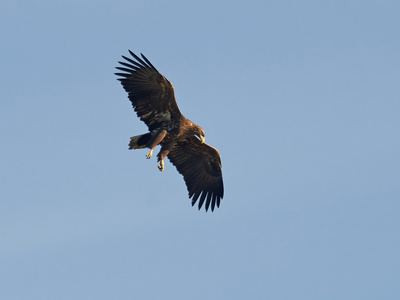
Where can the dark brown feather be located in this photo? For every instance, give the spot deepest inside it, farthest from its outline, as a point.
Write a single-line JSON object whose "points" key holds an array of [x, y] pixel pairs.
{"points": [[200, 165], [151, 93]]}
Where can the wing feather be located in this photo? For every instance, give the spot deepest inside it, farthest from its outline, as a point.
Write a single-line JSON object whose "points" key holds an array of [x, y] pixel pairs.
{"points": [[151, 94], [147, 61], [132, 67], [208, 200], [200, 165]]}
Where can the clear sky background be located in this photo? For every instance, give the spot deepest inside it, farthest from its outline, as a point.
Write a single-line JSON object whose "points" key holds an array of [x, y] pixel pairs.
{"points": [[301, 98]]}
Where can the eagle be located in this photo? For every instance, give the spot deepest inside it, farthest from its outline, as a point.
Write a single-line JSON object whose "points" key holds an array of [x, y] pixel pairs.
{"points": [[181, 140]]}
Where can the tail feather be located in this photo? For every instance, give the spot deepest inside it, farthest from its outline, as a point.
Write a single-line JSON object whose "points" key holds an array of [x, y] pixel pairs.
{"points": [[139, 141]]}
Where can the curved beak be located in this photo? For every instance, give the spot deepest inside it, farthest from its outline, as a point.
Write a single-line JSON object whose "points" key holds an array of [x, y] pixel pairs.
{"points": [[202, 139]]}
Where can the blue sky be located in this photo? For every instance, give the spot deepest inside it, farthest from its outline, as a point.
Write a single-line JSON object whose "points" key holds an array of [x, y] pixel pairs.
{"points": [[301, 98]]}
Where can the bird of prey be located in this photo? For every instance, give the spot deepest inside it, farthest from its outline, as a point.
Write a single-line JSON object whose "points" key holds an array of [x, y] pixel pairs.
{"points": [[182, 141]]}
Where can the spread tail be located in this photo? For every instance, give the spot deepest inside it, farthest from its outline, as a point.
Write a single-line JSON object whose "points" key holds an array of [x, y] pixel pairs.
{"points": [[139, 141]]}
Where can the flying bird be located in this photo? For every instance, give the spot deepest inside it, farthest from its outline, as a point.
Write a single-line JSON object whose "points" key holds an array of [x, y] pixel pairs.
{"points": [[182, 141]]}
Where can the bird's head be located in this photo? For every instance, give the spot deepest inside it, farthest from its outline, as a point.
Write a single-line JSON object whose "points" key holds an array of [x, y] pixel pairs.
{"points": [[199, 132]]}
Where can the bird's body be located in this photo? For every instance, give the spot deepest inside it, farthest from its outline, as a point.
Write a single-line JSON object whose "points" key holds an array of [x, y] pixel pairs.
{"points": [[153, 99]]}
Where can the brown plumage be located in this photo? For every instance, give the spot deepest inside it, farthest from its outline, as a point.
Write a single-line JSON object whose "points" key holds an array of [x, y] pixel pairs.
{"points": [[153, 99]]}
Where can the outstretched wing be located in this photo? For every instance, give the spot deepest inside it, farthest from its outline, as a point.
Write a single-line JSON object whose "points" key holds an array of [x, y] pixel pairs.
{"points": [[200, 165], [151, 94]]}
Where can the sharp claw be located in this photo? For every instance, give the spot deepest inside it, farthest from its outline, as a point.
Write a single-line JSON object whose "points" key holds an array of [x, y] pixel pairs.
{"points": [[161, 165], [148, 155]]}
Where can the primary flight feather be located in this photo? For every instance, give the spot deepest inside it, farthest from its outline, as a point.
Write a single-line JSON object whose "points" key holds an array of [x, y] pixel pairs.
{"points": [[153, 99]]}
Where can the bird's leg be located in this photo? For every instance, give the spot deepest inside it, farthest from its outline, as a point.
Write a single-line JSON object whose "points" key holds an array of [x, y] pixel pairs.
{"points": [[163, 153], [156, 140], [148, 155], [161, 166]]}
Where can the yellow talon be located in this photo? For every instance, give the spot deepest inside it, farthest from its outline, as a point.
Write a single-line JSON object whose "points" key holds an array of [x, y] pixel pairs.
{"points": [[161, 165], [148, 155]]}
